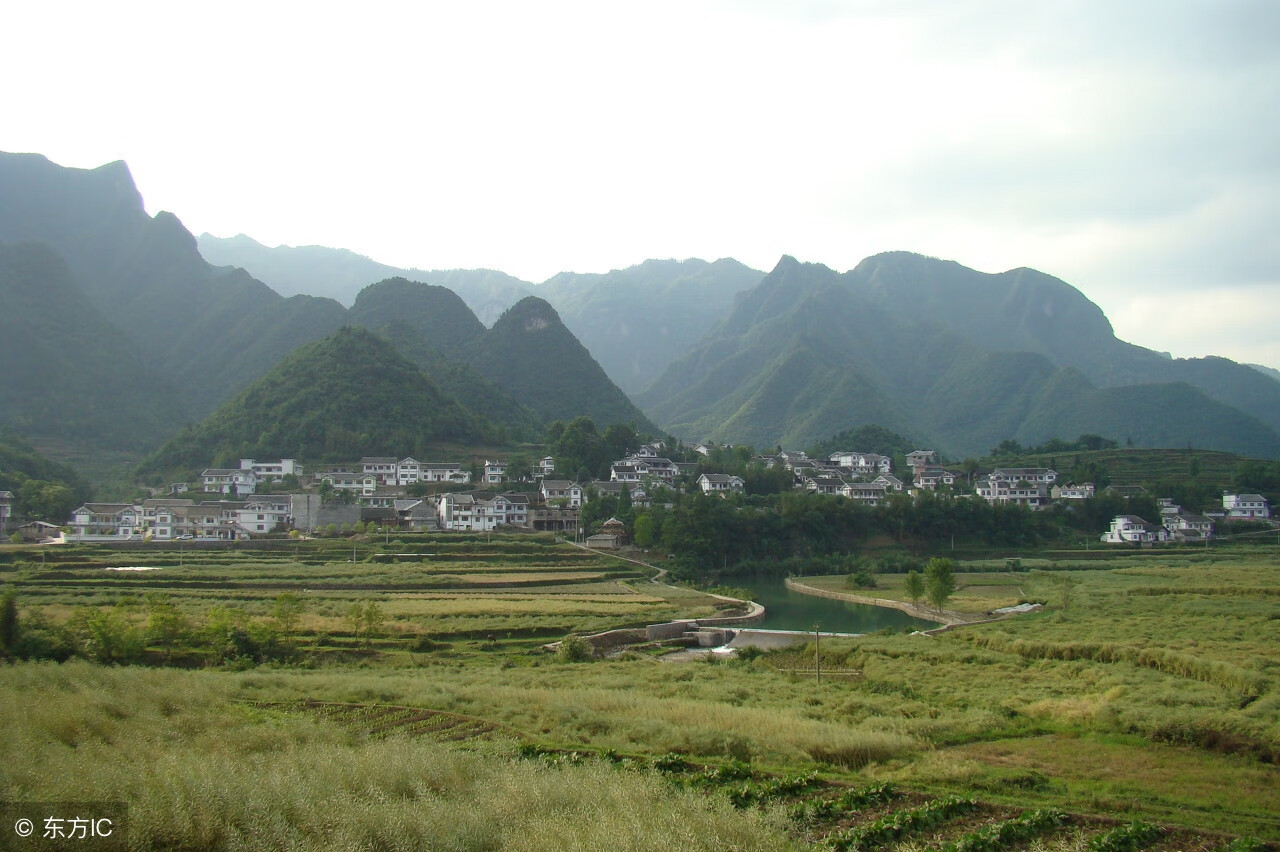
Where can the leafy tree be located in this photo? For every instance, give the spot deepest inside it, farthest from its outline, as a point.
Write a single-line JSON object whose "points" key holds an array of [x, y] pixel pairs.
{"points": [[940, 581], [166, 625], [365, 619], [574, 649], [9, 620], [107, 636], [644, 530], [914, 587], [287, 612]]}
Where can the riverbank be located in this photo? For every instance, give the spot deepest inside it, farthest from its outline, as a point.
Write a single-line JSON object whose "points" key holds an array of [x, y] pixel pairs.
{"points": [[947, 618]]}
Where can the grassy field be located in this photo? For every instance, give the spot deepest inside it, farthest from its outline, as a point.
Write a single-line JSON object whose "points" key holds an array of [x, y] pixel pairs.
{"points": [[1144, 693]]}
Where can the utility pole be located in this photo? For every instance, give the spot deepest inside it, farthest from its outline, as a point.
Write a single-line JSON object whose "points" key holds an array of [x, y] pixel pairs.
{"points": [[817, 653]]}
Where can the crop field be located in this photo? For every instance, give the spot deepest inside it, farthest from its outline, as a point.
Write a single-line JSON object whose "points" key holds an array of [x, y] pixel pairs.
{"points": [[429, 586], [1138, 709]]}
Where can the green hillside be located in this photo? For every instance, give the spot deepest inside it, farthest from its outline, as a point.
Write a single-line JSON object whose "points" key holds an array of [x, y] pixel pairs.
{"points": [[337, 399], [531, 355], [809, 353], [68, 372]]}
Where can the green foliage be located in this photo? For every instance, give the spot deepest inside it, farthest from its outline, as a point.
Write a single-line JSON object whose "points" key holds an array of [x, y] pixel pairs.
{"points": [[574, 649], [939, 581], [518, 352], [287, 611], [43, 490], [914, 587], [348, 395], [1002, 835], [1129, 837], [900, 824], [9, 620], [365, 620]]}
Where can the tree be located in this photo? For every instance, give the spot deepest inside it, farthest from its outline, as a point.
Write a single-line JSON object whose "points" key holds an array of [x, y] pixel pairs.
{"points": [[8, 620], [287, 611], [643, 530], [166, 625], [914, 587], [940, 581], [365, 620]]}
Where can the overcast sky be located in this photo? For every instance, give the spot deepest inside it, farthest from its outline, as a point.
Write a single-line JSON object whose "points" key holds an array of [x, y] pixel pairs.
{"points": [[1130, 148]]}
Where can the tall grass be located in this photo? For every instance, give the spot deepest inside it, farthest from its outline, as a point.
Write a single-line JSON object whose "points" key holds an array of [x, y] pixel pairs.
{"points": [[198, 772]]}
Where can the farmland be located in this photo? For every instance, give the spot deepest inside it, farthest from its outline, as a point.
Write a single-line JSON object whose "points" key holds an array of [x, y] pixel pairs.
{"points": [[1140, 703]]}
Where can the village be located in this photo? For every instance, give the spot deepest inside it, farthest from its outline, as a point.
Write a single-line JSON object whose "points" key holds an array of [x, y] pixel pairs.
{"points": [[261, 498]]}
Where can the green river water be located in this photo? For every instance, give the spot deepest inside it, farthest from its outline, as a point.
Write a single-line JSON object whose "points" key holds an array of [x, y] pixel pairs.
{"points": [[789, 610]]}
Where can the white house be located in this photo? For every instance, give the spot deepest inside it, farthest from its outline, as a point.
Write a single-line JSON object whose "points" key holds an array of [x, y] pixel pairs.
{"points": [[494, 471], [871, 493], [257, 517], [1185, 526], [1017, 492], [1072, 491], [383, 467], [271, 471], [482, 510], [408, 471], [1131, 528], [720, 483], [546, 466], [863, 463], [445, 472], [929, 477], [6, 510], [561, 489], [345, 479], [890, 482], [1253, 506], [106, 521], [233, 481], [920, 458], [1025, 474]]}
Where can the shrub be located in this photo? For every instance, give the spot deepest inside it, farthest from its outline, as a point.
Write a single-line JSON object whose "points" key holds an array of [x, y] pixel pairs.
{"points": [[575, 649]]}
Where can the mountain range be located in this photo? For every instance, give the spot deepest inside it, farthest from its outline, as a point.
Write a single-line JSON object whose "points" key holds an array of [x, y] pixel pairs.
{"points": [[958, 358], [635, 321], [128, 332], [122, 335]]}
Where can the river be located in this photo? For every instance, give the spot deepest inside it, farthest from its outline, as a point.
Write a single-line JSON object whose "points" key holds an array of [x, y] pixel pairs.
{"points": [[789, 610]]}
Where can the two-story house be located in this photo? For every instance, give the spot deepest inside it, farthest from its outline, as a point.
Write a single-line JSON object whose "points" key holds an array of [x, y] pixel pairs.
{"points": [[720, 483], [555, 490], [1249, 506], [1132, 529]]}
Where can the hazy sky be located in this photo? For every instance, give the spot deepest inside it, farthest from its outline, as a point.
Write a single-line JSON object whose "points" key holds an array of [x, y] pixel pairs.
{"points": [[1130, 148]]}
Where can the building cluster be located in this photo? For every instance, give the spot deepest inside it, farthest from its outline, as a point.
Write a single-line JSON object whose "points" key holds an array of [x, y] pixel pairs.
{"points": [[374, 490], [1177, 524]]}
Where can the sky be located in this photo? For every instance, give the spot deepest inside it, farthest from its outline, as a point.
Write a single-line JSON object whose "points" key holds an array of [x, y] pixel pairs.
{"points": [[1130, 148]]}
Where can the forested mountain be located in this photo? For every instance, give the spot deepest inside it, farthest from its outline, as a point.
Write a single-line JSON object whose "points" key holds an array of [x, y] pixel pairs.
{"points": [[954, 357], [43, 490], [337, 399], [208, 331], [68, 373], [531, 354], [128, 332], [637, 320], [433, 328], [634, 321]]}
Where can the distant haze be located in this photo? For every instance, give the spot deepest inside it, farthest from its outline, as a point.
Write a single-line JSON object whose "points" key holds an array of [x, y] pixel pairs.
{"points": [[1130, 149]]}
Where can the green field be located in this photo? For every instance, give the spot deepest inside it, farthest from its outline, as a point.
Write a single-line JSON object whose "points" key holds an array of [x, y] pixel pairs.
{"points": [[1143, 694]]}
